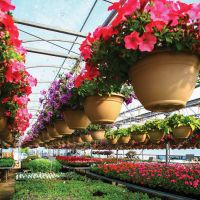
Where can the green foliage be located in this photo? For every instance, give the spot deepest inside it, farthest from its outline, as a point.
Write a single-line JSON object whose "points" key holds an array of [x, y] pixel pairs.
{"points": [[95, 127], [44, 165], [122, 132], [25, 150], [24, 163], [104, 85], [6, 162], [74, 187], [138, 129], [177, 120], [157, 124]]}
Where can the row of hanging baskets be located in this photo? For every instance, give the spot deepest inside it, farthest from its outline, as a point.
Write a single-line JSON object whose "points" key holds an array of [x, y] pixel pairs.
{"points": [[97, 110], [153, 58]]}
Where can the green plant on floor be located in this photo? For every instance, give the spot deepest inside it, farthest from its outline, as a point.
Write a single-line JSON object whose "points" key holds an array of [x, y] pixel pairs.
{"points": [[44, 165], [6, 162], [25, 162], [74, 187], [177, 120]]}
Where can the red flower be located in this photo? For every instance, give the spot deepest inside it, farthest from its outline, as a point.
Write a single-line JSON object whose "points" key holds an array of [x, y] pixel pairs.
{"points": [[159, 25], [5, 100], [132, 41], [5, 5], [147, 42], [91, 72], [79, 80]]}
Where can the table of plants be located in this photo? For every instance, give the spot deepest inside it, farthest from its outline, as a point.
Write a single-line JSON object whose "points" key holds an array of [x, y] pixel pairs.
{"points": [[127, 79]]}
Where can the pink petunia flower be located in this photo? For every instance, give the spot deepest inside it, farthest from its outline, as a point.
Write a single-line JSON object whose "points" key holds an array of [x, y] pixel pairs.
{"points": [[132, 41], [147, 42]]}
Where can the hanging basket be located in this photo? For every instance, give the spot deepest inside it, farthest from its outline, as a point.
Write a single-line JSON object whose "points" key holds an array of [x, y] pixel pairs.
{"points": [[46, 137], [139, 137], [164, 80], [62, 128], [182, 132], [156, 136], [77, 139], [76, 119], [113, 141], [8, 137], [124, 139], [98, 135], [87, 138], [52, 131], [103, 109], [3, 120]]}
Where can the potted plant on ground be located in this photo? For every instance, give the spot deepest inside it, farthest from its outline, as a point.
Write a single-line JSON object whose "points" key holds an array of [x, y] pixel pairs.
{"points": [[138, 133], [156, 129], [124, 135], [182, 126], [146, 41]]}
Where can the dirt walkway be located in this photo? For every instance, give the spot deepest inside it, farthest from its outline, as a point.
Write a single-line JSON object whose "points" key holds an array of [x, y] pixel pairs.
{"points": [[7, 189]]}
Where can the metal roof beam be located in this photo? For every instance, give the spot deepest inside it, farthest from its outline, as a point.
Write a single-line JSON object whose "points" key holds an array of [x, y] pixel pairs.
{"points": [[49, 28], [51, 53]]}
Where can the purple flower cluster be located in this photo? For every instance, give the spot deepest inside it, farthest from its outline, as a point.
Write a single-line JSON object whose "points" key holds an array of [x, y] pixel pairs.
{"points": [[57, 96]]}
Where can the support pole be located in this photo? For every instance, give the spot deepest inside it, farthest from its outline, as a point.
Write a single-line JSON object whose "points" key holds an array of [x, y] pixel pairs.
{"points": [[167, 154], [117, 156]]}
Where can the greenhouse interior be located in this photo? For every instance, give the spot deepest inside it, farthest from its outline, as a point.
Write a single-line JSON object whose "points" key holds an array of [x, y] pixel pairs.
{"points": [[80, 117]]}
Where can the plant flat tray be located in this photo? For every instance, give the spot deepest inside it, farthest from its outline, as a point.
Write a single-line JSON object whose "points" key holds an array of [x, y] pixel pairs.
{"points": [[140, 188]]}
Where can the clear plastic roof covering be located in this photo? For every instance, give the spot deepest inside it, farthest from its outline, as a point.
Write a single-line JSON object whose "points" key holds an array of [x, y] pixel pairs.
{"points": [[76, 16]]}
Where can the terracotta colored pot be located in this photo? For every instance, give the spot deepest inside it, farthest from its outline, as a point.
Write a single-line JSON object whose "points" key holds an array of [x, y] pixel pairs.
{"points": [[103, 109], [8, 138], [98, 135], [182, 132], [77, 139], [62, 127], [124, 139], [46, 137], [164, 80], [3, 119], [52, 131], [113, 141], [76, 119], [139, 138], [156, 136], [87, 138]]}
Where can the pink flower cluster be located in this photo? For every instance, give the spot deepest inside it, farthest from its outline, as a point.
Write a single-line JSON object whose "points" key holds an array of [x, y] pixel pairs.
{"points": [[79, 161], [16, 82], [173, 177]]}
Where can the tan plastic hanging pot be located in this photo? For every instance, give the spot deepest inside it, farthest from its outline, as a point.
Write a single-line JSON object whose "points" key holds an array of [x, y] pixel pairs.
{"points": [[77, 139], [3, 119], [113, 140], [86, 138], [98, 135], [182, 132], [62, 128], [103, 109], [46, 137], [8, 137], [52, 131], [76, 119], [124, 139], [164, 80], [139, 137], [156, 136]]}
